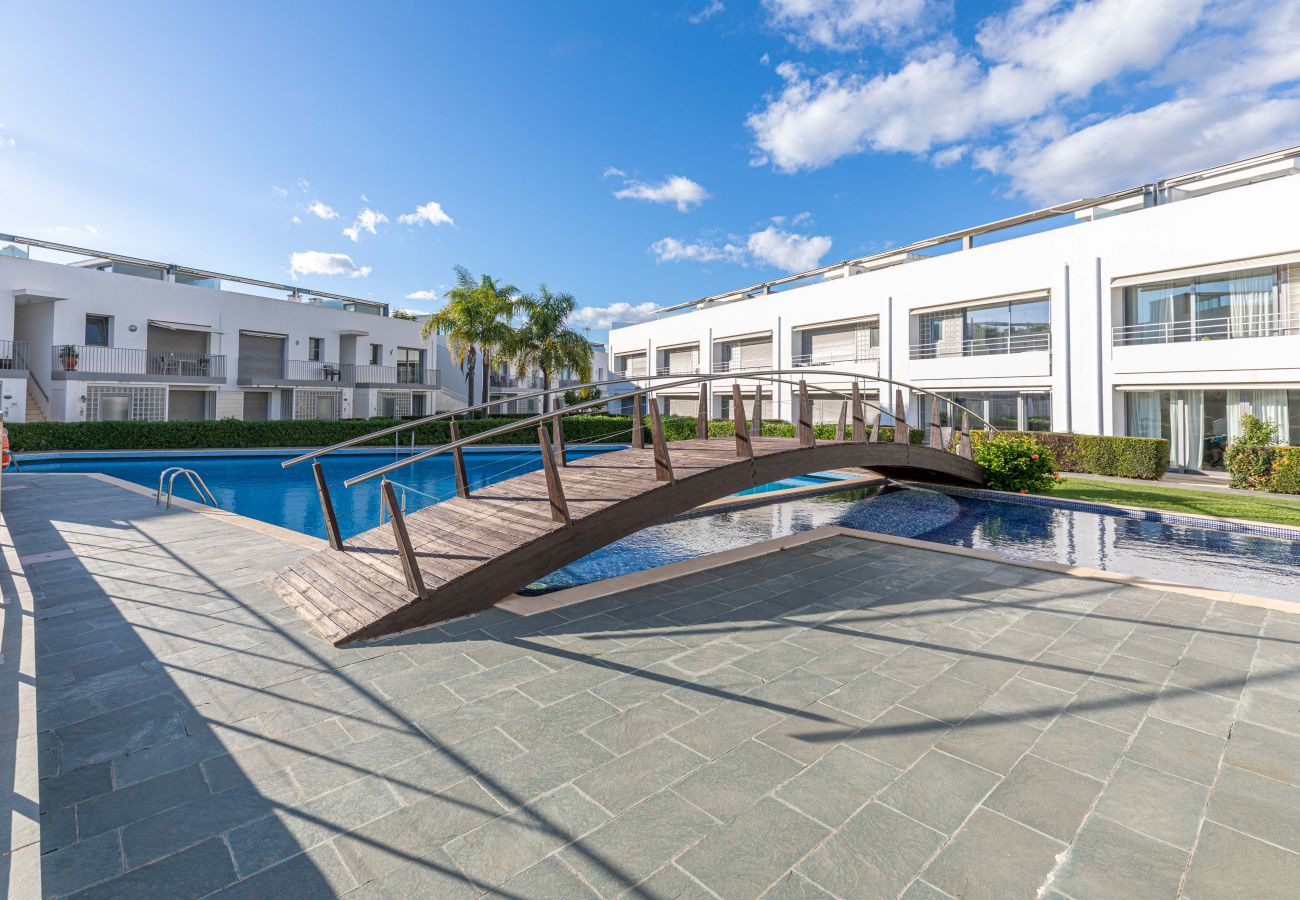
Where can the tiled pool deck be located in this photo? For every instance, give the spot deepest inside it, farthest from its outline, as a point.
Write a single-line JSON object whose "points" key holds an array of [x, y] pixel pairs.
{"points": [[844, 718]]}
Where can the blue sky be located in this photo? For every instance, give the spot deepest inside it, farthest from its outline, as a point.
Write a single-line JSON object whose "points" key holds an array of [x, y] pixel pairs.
{"points": [[630, 153]]}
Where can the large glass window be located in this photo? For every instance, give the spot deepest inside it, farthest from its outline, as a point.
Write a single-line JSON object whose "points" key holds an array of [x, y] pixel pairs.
{"points": [[409, 365], [1200, 425], [1008, 410], [1007, 327], [1249, 303], [97, 331]]}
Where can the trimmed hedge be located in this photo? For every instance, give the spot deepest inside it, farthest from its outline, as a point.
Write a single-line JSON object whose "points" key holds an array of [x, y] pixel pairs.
{"points": [[680, 428], [1126, 457], [1286, 471]]}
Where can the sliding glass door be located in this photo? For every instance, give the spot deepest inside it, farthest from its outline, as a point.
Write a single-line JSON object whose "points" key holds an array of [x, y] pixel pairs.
{"points": [[1201, 424]]}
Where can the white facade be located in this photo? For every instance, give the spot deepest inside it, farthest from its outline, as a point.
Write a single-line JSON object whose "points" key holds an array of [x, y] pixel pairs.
{"points": [[106, 339], [1163, 311]]}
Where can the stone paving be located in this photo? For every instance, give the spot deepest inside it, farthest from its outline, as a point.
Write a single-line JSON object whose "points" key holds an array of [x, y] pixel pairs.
{"points": [[846, 718]]}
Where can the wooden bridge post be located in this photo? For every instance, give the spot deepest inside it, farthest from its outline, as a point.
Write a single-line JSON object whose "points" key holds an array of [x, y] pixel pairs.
{"points": [[843, 420], [638, 426], [859, 422], [554, 490], [663, 465], [458, 462], [410, 568], [805, 417], [744, 446], [963, 447], [756, 422], [936, 432], [557, 426], [702, 415], [875, 430], [900, 418], [327, 507]]}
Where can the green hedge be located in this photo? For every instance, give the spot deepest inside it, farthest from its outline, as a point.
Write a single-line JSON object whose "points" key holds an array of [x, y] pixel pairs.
{"points": [[1127, 457], [680, 428], [1286, 471]]}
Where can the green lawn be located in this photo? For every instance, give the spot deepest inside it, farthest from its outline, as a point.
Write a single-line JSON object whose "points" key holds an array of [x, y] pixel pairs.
{"points": [[1279, 510]]}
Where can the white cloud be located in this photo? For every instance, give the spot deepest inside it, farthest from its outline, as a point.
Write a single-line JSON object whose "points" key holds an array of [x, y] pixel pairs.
{"points": [[606, 316], [295, 220], [422, 295], [366, 220], [711, 9], [279, 191], [318, 262], [304, 185], [786, 250], [6, 141], [803, 218], [678, 190], [847, 24], [321, 211], [613, 172], [430, 213], [670, 249]]}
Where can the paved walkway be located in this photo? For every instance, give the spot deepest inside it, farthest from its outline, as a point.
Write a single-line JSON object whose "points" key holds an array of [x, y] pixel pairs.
{"points": [[845, 718]]}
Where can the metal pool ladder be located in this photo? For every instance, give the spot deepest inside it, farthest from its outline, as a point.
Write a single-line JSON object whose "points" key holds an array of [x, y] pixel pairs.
{"points": [[195, 480]]}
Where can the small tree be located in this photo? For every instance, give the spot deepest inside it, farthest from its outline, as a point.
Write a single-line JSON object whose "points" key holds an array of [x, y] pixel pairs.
{"points": [[546, 342], [582, 395], [1016, 462], [1251, 455]]}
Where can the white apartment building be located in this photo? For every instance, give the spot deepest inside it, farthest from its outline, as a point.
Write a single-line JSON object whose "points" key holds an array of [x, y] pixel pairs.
{"points": [[88, 336], [507, 383], [1166, 310]]}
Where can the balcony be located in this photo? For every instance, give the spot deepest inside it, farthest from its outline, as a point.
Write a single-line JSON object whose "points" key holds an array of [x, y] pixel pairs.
{"points": [[515, 382], [295, 373], [389, 376], [13, 356], [678, 370], [1268, 324], [85, 362], [727, 365], [997, 346], [851, 358]]}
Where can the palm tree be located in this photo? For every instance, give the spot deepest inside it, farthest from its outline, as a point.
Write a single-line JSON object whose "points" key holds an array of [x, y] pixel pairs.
{"points": [[545, 341], [476, 320]]}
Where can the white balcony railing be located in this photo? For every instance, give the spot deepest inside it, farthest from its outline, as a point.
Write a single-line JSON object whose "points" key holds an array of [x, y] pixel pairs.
{"points": [[1011, 343], [836, 359], [732, 366], [1269, 324], [678, 370]]}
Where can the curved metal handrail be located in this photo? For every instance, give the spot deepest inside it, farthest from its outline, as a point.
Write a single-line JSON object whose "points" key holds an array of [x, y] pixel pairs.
{"points": [[195, 479], [544, 417]]}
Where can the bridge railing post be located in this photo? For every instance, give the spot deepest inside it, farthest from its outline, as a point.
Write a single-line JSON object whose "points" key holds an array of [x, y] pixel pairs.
{"points": [[554, 489], [663, 465], [900, 418], [744, 446], [458, 462], [936, 432], [875, 430], [327, 507], [410, 567], [963, 447], [638, 424], [557, 426], [859, 423], [805, 417], [702, 415], [756, 422], [843, 420]]}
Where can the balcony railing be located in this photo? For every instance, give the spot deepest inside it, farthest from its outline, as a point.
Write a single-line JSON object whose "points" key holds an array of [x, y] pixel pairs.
{"points": [[260, 371], [678, 370], [13, 356], [94, 360], [727, 365], [367, 374], [1011, 343], [836, 359], [1269, 324], [632, 372]]}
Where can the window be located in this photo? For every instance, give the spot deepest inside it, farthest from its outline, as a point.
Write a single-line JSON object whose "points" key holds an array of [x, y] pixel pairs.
{"points": [[315, 349], [1015, 326], [1200, 425], [97, 331], [410, 365], [376, 354], [1008, 410], [1213, 307]]}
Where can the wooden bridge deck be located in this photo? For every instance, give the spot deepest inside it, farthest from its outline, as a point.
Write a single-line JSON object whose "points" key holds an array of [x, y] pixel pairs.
{"points": [[473, 552]]}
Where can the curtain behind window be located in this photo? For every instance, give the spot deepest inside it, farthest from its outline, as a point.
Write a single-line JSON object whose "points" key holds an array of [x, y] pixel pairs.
{"points": [[1253, 305]]}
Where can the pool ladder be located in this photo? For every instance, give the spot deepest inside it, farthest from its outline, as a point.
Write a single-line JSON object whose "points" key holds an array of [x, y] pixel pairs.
{"points": [[195, 480]]}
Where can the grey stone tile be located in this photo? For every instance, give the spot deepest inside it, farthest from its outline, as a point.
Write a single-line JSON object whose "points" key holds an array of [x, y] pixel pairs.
{"points": [[1230, 864], [746, 856], [724, 727], [712, 689], [795, 887], [989, 741], [58, 828], [939, 790], [671, 881], [489, 681], [1082, 745], [567, 682], [920, 890], [844, 663], [868, 695], [837, 785], [1258, 806], [948, 699], [812, 733], [550, 878], [631, 847], [629, 779], [81, 864], [775, 660], [544, 769], [166, 832], [1204, 712], [1108, 860], [1276, 711], [1154, 803], [990, 673], [1209, 677], [736, 780], [1107, 704], [505, 846], [709, 656], [637, 725], [1181, 751], [1029, 702], [79, 784], [875, 854], [1045, 796], [318, 873], [430, 773], [992, 856], [133, 738], [196, 872], [899, 737], [1152, 648], [140, 800], [915, 665], [453, 725], [792, 691]]}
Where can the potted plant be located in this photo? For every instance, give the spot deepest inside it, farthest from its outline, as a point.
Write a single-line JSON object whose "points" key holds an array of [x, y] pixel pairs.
{"points": [[68, 356]]}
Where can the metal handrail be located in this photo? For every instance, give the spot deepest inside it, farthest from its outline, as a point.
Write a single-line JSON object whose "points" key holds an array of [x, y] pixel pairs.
{"points": [[539, 419], [830, 359], [195, 480], [997, 346], [1268, 324]]}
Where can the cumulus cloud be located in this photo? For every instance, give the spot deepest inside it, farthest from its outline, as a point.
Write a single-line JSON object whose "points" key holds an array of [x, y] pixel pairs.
{"points": [[422, 295], [318, 262], [430, 213], [296, 220], [677, 189], [786, 250], [848, 24], [711, 9], [321, 211], [670, 249], [606, 316], [366, 220]]}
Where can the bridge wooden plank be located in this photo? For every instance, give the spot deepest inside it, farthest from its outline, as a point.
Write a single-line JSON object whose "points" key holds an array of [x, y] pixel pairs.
{"points": [[334, 612], [363, 604], [310, 613], [391, 593]]}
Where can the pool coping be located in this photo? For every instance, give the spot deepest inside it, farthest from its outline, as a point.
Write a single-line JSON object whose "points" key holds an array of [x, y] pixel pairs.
{"points": [[528, 606], [53, 455], [857, 482]]}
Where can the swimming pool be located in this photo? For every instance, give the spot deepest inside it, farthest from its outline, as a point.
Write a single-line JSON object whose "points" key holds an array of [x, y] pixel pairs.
{"points": [[1200, 557]]}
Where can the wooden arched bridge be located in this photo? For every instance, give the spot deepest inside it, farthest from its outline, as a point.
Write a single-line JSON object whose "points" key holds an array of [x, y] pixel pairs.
{"points": [[468, 552]]}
